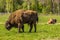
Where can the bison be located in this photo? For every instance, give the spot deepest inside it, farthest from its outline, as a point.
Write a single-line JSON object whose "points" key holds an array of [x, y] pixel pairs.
{"points": [[21, 17], [52, 21]]}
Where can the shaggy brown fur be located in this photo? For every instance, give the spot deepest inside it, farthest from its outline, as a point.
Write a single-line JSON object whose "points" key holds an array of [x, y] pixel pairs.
{"points": [[20, 17], [14, 20], [52, 21], [30, 17]]}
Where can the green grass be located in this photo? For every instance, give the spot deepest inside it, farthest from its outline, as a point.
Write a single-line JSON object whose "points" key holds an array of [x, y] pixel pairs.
{"points": [[44, 31]]}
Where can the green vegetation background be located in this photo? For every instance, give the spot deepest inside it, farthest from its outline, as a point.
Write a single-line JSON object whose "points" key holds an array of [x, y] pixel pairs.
{"points": [[42, 6], [44, 30]]}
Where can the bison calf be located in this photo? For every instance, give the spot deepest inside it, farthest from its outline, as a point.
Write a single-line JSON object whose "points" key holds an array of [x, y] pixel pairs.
{"points": [[52, 21], [20, 17]]}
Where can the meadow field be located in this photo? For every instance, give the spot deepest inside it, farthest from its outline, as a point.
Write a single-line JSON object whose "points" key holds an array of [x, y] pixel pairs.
{"points": [[44, 31]]}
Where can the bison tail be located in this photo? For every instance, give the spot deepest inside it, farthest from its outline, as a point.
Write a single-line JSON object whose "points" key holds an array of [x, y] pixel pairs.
{"points": [[37, 19]]}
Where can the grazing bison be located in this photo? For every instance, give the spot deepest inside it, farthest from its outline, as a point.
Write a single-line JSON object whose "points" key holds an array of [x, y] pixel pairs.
{"points": [[20, 17], [52, 21]]}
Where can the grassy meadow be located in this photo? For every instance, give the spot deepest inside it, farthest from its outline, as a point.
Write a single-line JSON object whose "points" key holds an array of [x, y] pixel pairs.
{"points": [[44, 31]]}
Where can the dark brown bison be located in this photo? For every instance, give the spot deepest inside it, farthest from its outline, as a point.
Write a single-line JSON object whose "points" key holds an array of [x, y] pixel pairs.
{"points": [[52, 21], [30, 17], [20, 17]]}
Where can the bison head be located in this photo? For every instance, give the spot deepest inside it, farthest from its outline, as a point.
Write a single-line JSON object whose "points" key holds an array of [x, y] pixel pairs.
{"points": [[8, 25]]}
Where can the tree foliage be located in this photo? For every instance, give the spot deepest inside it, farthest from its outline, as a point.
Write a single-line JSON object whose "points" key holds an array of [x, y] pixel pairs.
{"points": [[42, 6]]}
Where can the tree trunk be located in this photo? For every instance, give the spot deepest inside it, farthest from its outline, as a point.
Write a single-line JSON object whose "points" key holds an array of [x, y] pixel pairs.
{"points": [[28, 4], [36, 3], [59, 6], [52, 6]]}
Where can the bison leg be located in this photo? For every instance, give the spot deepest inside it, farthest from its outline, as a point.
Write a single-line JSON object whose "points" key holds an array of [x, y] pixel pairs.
{"points": [[19, 26], [23, 28], [35, 27], [31, 26]]}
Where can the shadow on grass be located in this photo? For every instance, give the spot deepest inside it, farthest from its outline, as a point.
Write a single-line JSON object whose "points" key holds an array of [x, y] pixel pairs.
{"points": [[44, 31]]}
